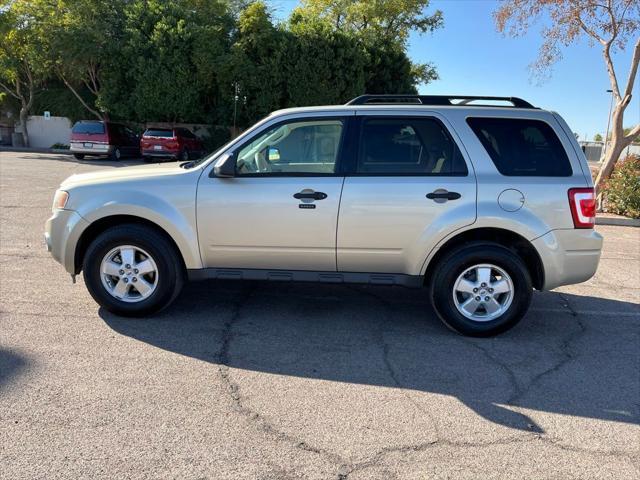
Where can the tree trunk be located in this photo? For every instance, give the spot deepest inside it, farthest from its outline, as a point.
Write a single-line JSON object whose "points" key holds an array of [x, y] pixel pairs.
{"points": [[613, 153], [24, 113], [94, 112], [616, 146]]}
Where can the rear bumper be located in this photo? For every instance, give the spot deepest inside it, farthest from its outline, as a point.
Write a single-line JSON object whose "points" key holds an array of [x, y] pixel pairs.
{"points": [[160, 154], [568, 256], [97, 149], [61, 234]]}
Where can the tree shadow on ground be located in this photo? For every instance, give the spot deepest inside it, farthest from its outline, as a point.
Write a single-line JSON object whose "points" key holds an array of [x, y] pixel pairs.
{"points": [[561, 358]]}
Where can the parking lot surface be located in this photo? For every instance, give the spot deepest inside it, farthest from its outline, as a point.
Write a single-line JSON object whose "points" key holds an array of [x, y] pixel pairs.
{"points": [[283, 381]]}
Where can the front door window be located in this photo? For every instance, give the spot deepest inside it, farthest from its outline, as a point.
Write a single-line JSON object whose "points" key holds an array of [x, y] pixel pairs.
{"points": [[304, 147]]}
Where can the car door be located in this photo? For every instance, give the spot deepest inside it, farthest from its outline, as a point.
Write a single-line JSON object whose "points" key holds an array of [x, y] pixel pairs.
{"points": [[133, 142], [410, 184], [280, 209], [190, 140]]}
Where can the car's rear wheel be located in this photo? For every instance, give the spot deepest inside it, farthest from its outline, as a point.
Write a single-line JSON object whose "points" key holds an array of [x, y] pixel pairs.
{"points": [[116, 154], [133, 270], [78, 156], [481, 289], [184, 156]]}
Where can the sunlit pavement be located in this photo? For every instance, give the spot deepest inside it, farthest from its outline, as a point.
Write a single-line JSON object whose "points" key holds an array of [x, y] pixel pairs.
{"points": [[282, 381]]}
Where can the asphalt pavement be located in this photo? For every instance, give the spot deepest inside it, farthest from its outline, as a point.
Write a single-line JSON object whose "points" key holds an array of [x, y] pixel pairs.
{"points": [[256, 380]]}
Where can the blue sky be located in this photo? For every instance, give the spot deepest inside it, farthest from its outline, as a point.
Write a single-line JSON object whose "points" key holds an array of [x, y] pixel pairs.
{"points": [[473, 59]]}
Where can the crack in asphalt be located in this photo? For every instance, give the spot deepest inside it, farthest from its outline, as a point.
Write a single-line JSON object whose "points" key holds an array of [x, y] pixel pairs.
{"points": [[565, 347], [345, 467], [518, 392], [251, 415], [379, 456]]}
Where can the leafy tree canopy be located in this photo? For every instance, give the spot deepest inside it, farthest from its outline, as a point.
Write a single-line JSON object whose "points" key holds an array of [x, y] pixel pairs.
{"points": [[188, 60], [391, 20]]}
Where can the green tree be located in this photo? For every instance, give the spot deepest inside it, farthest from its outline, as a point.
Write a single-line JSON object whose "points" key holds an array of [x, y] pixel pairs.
{"points": [[390, 20], [255, 65], [322, 65], [21, 61], [597, 137], [609, 23], [382, 29], [170, 55], [83, 42]]}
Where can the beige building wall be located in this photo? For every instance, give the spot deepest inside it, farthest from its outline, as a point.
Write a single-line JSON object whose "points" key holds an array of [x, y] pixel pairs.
{"points": [[44, 132]]}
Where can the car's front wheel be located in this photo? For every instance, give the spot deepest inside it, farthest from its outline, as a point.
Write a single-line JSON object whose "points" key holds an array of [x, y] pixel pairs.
{"points": [[133, 270], [481, 290], [78, 156]]}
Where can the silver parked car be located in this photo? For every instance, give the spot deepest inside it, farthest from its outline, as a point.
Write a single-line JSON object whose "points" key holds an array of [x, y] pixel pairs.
{"points": [[476, 202]]}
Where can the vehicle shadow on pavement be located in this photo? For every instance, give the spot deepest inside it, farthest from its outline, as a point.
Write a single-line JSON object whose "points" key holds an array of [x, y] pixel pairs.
{"points": [[11, 365], [570, 355]]}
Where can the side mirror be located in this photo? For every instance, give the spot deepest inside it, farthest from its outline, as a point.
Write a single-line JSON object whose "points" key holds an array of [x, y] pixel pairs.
{"points": [[273, 154], [225, 166]]}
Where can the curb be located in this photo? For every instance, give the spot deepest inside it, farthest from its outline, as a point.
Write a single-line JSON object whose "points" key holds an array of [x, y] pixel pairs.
{"points": [[618, 221], [32, 150]]}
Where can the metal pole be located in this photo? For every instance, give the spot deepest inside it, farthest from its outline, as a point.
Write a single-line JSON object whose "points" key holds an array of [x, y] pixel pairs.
{"points": [[606, 136], [236, 89]]}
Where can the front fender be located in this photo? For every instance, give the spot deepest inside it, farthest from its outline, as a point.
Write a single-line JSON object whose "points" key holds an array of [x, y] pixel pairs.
{"points": [[174, 212]]}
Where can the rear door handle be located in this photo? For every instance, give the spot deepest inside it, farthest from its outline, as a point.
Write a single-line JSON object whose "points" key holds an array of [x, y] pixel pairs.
{"points": [[310, 195], [443, 195]]}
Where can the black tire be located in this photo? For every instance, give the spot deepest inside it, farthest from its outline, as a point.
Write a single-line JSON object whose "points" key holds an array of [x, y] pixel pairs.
{"points": [[116, 154], [147, 159], [78, 156], [171, 273], [184, 155], [454, 263]]}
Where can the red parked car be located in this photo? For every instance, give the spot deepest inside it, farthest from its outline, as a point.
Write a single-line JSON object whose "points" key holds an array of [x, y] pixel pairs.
{"points": [[94, 137], [173, 143]]}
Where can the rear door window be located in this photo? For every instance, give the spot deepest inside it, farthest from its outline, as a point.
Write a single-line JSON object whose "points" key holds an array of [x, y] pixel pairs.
{"points": [[408, 146], [521, 147]]}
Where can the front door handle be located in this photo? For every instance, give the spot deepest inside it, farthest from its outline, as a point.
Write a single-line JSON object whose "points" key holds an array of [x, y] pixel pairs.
{"points": [[442, 194], [310, 195]]}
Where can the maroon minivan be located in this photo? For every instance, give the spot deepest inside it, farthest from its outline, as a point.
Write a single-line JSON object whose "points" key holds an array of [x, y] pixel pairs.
{"points": [[172, 143], [95, 137]]}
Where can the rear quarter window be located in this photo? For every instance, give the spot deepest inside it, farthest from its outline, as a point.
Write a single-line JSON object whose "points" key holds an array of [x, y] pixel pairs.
{"points": [[521, 147]]}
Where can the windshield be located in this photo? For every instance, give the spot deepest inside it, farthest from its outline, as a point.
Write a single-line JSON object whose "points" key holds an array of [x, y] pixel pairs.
{"points": [[200, 161], [88, 127]]}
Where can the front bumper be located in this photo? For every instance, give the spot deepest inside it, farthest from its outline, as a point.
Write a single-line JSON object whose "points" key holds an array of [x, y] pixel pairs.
{"points": [[61, 234], [568, 256]]}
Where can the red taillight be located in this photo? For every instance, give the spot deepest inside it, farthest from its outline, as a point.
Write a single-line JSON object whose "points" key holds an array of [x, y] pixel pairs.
{"points": [[583, 207]]}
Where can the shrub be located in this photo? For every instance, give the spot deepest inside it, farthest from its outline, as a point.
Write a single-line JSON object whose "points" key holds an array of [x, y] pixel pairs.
{"points": [[217, 137], [622, 190]]}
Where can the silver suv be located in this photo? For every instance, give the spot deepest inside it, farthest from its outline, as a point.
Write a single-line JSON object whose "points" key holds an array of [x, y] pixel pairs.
{"points": [[476, 202]]}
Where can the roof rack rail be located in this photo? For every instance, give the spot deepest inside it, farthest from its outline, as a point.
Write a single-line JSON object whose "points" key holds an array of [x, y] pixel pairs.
{"points": [[446, 100]]}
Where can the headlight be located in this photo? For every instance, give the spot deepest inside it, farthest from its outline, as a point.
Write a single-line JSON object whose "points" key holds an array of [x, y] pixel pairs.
{"points": [[60, 199]]}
